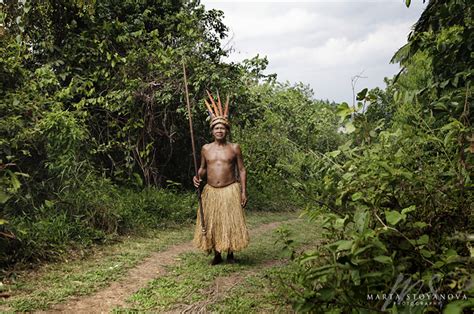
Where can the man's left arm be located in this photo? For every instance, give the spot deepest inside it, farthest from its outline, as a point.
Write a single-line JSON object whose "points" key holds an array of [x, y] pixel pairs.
{"points": [[242, 174]]}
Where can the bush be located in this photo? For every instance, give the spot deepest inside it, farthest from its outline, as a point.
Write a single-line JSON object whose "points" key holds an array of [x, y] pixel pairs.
{"points": [[46, 236], [397, 217], [96, 210], [279, 147]]}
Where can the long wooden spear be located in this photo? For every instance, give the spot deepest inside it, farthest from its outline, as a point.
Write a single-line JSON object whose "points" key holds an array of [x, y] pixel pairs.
{"points": [[198, 190]]}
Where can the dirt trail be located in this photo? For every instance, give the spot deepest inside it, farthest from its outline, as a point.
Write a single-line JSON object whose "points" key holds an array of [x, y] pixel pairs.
{"points": [[152, 267]]}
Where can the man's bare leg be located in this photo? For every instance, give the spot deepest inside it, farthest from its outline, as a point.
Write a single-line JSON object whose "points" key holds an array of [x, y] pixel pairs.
{"points": [[217, 258], [230, 257]]}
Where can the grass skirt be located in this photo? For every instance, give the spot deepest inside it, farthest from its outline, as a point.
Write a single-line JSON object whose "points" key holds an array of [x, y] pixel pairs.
{"points": [[224, 219]]}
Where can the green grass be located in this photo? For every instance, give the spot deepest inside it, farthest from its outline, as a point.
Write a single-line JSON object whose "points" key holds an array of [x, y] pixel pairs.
{"points": [[266, 291], [256, 294], [263, 292], [190, 281], [56, 282]]}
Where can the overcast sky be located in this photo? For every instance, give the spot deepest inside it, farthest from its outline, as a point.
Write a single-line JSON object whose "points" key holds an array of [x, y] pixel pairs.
{"points": [[321, 43]]}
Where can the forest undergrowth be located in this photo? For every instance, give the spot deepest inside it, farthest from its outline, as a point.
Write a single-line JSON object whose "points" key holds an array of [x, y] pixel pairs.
{"points": [[94, 145]]}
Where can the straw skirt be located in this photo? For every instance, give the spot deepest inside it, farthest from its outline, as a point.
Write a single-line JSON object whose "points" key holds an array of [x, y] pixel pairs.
{"points": [[224, 219]]}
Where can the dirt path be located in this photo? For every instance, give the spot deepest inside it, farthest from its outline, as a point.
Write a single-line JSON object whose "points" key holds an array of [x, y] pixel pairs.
{"points": [[152, 267]]}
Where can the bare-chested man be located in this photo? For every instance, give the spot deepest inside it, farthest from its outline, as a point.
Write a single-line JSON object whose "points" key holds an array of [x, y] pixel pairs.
{"points": [[223, 197]]}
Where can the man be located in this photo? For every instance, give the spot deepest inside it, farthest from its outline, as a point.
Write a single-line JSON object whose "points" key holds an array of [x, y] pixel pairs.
{"points": [[223, 197]]}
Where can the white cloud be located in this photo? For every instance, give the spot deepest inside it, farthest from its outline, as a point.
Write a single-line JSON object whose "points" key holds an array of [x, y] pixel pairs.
{"points": [[342, 51], [321, 43], [293, 21], [299, 1]]}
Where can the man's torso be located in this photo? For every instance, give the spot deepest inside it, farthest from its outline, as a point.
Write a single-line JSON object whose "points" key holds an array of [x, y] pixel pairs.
{"points": [[220, 164]]}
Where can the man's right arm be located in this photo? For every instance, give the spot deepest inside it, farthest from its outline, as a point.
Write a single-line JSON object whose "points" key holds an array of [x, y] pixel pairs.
{"points": [[202, 171]]}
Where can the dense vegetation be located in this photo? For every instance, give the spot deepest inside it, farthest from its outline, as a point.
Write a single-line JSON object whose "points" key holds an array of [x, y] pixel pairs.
{"points": [[94, 142], [92, 121], [396, 199]]}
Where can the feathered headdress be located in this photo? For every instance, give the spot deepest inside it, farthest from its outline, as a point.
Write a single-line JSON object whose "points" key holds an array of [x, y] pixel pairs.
{"points": [[218, 115]]}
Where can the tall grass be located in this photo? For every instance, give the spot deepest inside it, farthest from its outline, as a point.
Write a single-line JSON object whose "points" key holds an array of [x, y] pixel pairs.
{"points": [[95, 211]]}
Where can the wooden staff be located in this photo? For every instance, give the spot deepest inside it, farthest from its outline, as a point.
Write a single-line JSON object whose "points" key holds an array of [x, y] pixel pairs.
{"points": [[201, 213]]}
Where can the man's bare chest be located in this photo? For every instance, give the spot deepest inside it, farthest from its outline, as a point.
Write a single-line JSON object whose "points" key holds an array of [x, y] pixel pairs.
{"points": [[224, 155]]}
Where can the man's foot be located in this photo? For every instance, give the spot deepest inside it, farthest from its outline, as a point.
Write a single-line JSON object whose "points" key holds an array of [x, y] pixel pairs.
{"points": [[217, 259], [230, 258]]}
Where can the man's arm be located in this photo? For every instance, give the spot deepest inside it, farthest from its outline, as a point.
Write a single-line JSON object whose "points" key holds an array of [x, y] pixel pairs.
{"points": [[242, 174], [202, 171]]}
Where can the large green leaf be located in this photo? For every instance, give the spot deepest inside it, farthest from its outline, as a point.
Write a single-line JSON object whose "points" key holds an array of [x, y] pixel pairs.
{"points": [[361, 220], [393, 217], [408, 209], [383, 259], [344, 245], [343, 110], [355, 276], [356, 196], [349, 127], [327, 293], [361, 95], [334, 153], [15, 182], [424, 239], [458, 306], [4, 197]]}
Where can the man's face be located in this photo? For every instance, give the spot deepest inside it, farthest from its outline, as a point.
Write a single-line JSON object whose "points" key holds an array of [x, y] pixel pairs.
{"points": [[219, 131]]}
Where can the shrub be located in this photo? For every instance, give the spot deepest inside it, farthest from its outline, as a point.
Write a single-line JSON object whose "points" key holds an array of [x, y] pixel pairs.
{"points": [[97, 209], [397, 221]]}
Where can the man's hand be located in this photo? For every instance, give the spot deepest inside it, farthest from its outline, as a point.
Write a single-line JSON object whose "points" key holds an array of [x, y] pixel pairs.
{"points": [[196, 181], [243, 199]]}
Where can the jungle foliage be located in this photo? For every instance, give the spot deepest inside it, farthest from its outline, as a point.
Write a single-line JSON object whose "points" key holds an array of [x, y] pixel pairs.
{"points": [[396, 198], [94, 132], [93, 116], [94, 142]]}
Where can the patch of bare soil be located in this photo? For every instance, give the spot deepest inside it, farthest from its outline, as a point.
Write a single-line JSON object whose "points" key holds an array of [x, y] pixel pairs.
{"points": [[152, 267]]}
